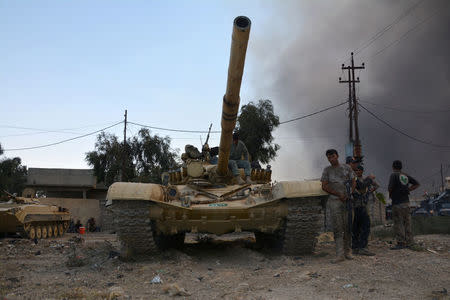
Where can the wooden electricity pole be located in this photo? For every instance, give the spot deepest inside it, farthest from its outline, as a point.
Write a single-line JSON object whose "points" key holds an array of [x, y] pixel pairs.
{"points": [[124, 150], [353, 107]]}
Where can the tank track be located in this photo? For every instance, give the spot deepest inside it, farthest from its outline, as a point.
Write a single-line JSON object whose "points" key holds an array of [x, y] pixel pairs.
{"points": [[133, 227], [298, 233], [303, 224]]}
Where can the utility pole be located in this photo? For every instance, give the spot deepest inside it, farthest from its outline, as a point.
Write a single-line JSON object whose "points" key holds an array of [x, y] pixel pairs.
{"points": [[124, 151], [353, 107], [442, 179]]}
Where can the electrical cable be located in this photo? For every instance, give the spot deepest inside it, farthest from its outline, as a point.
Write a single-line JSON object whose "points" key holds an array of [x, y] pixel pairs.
{"points": [[174, 130], [63, 141], [401, 132], [403, 36], [387, 28], [168, 129], [407, 110], [43, 131], [315, 113]]}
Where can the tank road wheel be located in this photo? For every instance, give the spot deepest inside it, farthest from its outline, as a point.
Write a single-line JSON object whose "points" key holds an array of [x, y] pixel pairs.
{"points": [[38, 232], [303, 224], [49, 231], [44, 232], [55, 230], [60, 229], [132, 222], [32, 232]]}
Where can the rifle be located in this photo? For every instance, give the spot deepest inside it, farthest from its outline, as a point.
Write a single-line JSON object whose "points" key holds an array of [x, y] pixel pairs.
{"points": [[349, 206], [205, 147], [207, 137]]}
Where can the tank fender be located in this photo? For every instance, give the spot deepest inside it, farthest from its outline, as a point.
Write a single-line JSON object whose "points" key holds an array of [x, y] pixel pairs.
{"points": [[135, 191], [297, 189]]}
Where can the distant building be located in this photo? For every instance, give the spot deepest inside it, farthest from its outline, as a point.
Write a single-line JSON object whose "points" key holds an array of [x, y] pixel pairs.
{"points": [[74, 189]]}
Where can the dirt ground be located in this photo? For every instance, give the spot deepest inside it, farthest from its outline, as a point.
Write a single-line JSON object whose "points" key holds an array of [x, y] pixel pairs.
{"points": [[224, 267]]}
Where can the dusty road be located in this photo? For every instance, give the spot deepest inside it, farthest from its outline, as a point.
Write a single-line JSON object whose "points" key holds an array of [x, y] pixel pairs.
{"points": [[219, 268]]}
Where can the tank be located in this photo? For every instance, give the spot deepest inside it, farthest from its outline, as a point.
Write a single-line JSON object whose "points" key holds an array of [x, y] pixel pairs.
{"points": [[203, 198], [31, 219]]}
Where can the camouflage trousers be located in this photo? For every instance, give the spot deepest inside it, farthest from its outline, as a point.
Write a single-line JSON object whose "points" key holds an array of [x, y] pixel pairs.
{"points": [[402, 224], [339, 221]]}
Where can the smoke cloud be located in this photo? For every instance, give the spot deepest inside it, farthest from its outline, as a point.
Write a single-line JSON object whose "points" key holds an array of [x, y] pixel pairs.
{"points": [[297, 64]]}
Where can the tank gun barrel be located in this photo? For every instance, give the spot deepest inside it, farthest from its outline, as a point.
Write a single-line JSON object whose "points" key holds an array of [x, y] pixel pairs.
{"points": [[231, 100]]}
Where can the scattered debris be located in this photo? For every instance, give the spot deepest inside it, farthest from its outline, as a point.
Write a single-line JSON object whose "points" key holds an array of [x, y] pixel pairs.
{"points": [[348, 285], [313, 275], [115, 292], [441, 293], [432, 251], [174, 289], [242, 287], [156, 280]]}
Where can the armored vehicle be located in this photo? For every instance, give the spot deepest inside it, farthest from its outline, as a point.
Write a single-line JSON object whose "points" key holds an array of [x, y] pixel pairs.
{"points": [[204, 198], [31, 219]]}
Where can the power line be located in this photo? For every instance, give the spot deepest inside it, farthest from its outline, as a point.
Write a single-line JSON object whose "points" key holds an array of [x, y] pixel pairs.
{"points": [[387, 28], [314, 113], [401, 132], [43, 131], [407, 110], [403, 36], [166, 129], [174, 130], [63, 141]]}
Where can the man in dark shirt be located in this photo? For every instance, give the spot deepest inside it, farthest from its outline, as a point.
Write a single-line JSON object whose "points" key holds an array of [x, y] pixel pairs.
{"points": [[400, 184], [361, 220]]}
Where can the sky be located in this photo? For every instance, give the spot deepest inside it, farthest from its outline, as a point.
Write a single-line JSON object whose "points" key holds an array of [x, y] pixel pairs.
{"points": [[69, 68]]}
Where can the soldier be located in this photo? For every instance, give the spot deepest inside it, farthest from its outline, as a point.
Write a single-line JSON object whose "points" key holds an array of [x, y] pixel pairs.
{"points": [[361, 219], [400, 184], [334, 180], [237, 151]]}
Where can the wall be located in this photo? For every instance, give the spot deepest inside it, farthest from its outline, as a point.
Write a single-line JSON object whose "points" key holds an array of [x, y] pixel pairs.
{"points": [[81, 209]]}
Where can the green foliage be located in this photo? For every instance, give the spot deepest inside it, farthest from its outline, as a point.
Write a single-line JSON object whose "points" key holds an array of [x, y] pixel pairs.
{"points": [[255, 125], [12, 175], [144, 158], [152, 156], [381, 198]]}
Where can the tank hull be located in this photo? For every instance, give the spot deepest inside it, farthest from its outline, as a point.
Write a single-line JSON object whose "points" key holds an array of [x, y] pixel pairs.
{"points": [[290, 213]]}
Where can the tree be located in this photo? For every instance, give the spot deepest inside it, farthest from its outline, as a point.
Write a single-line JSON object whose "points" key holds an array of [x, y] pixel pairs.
{"points": [[152, 156], [12, 175], [143, 159], [255, 125], [107, 159]]}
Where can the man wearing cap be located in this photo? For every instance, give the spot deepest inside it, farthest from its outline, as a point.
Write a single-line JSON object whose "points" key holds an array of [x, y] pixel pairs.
{"points": [[334, 180], [400, 184], [361, 219], [238, 151]]}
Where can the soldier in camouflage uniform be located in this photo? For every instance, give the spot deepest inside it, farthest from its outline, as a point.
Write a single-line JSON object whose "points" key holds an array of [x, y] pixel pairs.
{"points": [[334, 179]]}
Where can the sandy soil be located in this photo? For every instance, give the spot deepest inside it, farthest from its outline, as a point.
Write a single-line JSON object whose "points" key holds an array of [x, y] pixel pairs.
{"points": [[225, 267]]}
